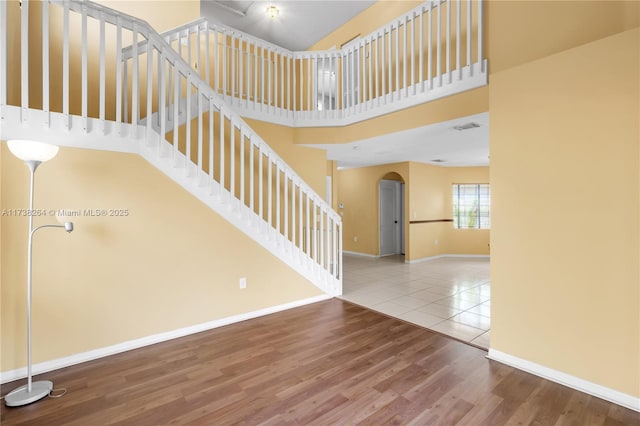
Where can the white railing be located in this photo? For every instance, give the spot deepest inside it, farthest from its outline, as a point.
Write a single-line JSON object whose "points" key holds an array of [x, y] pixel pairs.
{"points": [[434, 50], [160, 99]]}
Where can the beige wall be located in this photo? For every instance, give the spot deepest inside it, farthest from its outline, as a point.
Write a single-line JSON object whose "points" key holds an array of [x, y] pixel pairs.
{"points": [[170, 263], [522, 31], [565, 173], [428, 197]]}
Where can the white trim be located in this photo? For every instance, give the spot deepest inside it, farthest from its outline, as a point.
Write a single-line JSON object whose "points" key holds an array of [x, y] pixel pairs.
{"points": [[356, 254], [42, 367], [440, 256], [608, 394], [424, 259]]}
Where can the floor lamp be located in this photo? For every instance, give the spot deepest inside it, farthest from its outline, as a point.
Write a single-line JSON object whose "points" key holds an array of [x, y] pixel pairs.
{"points": [[33, 154]]}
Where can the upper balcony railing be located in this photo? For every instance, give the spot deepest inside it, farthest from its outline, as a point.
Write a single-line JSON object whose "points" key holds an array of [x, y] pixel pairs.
{"points": [[432, 51]]}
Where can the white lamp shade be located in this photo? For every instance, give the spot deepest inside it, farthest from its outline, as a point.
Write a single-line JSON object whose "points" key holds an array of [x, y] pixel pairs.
{"points": [[32, 150]]}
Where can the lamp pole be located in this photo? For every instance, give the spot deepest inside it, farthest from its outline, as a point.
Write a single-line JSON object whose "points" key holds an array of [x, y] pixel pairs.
{"points": [[33, 154], [32, 165]]}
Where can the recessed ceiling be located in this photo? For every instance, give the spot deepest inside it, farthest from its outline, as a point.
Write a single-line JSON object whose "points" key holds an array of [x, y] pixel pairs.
{"points": [[299, 24], [438, 144]]}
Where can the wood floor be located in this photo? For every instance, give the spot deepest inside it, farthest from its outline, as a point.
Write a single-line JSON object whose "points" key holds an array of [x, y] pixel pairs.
{"points": [[330, 363]]}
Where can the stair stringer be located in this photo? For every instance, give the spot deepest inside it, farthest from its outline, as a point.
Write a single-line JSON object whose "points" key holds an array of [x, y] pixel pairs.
{"points": [[159, 153]]}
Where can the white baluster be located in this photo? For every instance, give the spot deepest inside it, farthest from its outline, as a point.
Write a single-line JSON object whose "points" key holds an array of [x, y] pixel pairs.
{"points": [[429, 49], [480, 5], [439, 46], [260, 183], [458, 35], [390, 65], [469, 29], [176, 118], [293, 212], [216, 65], [278, 212], [200, 113], [135, 115], [24, 60], [224, 64], [207, 56], [162, 112], [211, 143], [405, 59], [233, 68], [3, 57], [187, 121], [119, 66], [45, 61], [84, 78], [397, 88], [289, 103], [232, 157], [421, 50], [242, 167], [251, 177], [65, 66], [149, 86], [221, 159], [262, 78], [103, 73], [270, 191], [413, 52], [322, 238], [281, 83], [309, 85], [286, 206]]}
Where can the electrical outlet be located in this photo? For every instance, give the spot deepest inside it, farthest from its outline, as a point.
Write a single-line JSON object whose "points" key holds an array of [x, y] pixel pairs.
{"points": [[435, 242], [355, 239], [243, 282]]}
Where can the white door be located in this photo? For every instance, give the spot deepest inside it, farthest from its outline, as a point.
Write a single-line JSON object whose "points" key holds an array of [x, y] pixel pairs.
{"points": [[390, 217]]}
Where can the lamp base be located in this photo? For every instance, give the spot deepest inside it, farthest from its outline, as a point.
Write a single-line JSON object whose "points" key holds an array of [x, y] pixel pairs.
{"points": [[20, 396]]}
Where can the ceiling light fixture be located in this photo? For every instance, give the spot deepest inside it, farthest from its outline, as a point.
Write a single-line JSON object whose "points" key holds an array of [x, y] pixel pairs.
{"points": [[272, 11]]}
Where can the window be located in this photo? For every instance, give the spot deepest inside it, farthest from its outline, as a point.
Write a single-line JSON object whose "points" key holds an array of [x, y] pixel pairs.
{"points": [[471, 206]]}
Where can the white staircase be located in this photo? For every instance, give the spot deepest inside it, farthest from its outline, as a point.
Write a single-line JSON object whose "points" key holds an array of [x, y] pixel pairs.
{"points": [[192, 136]]}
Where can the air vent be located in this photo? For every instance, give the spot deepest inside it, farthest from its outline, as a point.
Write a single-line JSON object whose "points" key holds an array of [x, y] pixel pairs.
{"points": [[438, 160], [466, 126]]}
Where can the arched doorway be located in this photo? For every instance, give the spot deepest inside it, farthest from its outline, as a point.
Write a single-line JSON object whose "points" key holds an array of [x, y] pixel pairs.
{"points": [[391, 215]]}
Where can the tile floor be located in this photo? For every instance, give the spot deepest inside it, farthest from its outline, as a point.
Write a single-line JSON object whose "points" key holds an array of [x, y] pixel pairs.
{"points": [[450, 295]]}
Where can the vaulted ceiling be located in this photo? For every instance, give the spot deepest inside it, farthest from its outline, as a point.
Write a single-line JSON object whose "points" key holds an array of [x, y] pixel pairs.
{"points": [[298, 25]]}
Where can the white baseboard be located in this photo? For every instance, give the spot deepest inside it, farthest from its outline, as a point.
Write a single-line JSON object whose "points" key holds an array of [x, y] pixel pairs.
{"points": [[440, 256], [43, 367], [353, 253], [611, 395]]}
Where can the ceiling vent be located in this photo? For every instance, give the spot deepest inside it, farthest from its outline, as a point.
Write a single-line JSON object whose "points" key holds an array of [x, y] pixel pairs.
{"points": [[438, 160], [466, 126]]}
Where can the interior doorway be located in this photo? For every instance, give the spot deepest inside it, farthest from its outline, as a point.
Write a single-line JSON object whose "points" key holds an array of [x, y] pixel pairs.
{"points": [[391, 217]]}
